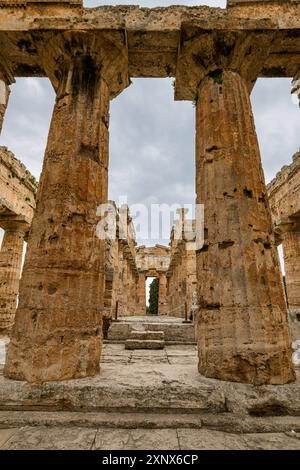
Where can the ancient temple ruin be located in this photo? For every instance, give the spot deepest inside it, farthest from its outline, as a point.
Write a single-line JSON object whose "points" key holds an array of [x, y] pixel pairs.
{"points": [[17, 204], [284, 197], [69, 277]]}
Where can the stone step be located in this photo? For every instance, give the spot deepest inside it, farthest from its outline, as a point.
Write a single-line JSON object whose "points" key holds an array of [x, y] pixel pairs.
{"points": [[145, 335], [144, 344], [153, 388], [181, 333], [114, 420]]}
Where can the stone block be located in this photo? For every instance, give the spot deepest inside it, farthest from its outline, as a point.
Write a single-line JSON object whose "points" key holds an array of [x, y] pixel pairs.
{"points": [[144, 344], [144, 335]]}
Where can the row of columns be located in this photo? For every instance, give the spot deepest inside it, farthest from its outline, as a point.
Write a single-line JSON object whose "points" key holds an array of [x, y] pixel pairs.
{"points": [[243, 328], [291, 255]]}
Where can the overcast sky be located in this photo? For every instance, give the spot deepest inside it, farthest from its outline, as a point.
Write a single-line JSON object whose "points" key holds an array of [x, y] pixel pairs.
{"points": [[151, 135]]}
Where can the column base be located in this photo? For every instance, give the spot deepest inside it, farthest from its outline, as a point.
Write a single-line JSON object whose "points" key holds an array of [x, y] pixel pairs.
{"points": [[73, 363], [230, 356], [245, 367]]}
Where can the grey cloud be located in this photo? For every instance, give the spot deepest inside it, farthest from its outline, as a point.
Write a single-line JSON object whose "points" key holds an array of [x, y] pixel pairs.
{"points": [[277, 118]]}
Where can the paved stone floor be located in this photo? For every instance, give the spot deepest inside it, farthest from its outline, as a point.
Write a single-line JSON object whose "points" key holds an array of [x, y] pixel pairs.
{"points": [[52, 438], [152, 319], [111, 431], [116, 354], [173, 354]]}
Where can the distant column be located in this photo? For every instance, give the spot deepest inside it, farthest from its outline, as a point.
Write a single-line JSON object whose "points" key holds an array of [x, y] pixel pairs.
{"points": [[162, 295], [4, 95], [291, 254], [10, 270], [141, 294], [296, 86]]}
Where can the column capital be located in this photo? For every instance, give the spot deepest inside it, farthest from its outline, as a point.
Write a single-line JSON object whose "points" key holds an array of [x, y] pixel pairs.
{"points": [[103, 52], [296, 85], [6, 71], [287, 225], [14, 225], [205, 52]]}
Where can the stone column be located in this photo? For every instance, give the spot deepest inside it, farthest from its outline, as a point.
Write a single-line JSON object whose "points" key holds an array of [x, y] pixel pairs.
{"points": [[162, 295], [57, 332], [296, 86], [10, 270], [141, 294], [4, 95], [291, 254], [243, 333]]}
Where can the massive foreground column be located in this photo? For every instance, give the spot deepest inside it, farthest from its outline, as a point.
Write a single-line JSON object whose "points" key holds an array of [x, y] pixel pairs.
{"points": [[243, 328], [291, 253], [57, 332], [10, 271]]}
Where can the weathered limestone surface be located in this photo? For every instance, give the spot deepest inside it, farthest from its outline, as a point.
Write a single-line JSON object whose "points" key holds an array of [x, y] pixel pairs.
{"points": [[291, 252], [154, 35], [150, 381], [153, 262], [17, 189], [4, 95], [181, 274], [121, 275], [296, 85], [17, 203], [10, 271], [64, 437], [128, 298], [61, 293], [174, 330], [284, 197], [243, 328], [160, 378]]}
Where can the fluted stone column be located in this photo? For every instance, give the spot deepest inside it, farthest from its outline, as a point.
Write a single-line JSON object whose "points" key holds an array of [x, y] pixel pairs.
{"points": [[162, 295], [4, 95], [243, 331], [10, 270], [57, 332], [141, 294], [291, 254]]}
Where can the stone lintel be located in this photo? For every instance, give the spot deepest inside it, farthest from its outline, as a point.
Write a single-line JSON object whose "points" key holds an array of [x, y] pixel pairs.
{"points": [[261, 2], [153, 35], [39, 3]]}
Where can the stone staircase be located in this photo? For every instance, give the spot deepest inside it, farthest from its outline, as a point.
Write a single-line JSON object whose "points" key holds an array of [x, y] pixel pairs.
{"points": [[142, 339], [175, 331]]}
